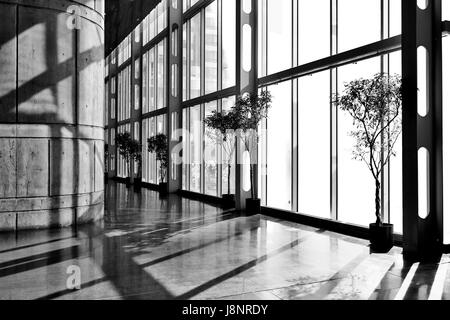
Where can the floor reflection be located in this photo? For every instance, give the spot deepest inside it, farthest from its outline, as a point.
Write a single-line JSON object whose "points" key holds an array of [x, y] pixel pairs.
{"points": [[150, 247]]}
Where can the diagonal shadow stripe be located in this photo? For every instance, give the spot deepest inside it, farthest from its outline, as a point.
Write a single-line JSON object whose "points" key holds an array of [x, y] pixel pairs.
{"points": [[35, 245], [38, 261], [199, 247], [212, 283], [62, 293], [422, 282]]}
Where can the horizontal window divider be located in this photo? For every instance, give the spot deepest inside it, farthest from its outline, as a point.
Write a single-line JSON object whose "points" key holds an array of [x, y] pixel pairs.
{"points": [[122, 67], [362, 53], [325, 224], [200, 197], [155, 41], [196, 8], [123, 122], [225, 93], [155, 113]]}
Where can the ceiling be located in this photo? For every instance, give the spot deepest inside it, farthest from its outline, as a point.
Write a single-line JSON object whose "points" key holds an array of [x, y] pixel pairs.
{"points": [[122, 16]]}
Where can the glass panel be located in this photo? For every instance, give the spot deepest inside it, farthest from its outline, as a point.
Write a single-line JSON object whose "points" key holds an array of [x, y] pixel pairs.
{"points": [[211, 48], [211, 154], [195, 50], [359, 23], [185, 70], [395, 17], [279, 147], [145, 83], [279, 50], [228, 44], [445, 10], [313, 15], [152, 80], [314, 145], [195, 152], [161, 75], [186, 141]]}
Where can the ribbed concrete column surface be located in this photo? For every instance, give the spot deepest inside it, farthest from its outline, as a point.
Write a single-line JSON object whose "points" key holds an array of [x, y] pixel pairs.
{"points": [[51, 113]]}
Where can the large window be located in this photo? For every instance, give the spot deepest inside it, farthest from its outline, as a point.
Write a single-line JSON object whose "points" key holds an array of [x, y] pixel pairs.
{"points": [[124, 94], [203, 53], [154, 84], [305, 150], [203, 156], [277, 148]]}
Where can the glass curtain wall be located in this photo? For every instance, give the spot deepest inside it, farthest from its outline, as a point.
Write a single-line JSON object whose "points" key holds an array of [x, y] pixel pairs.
{"points": [[209, 67], [307, 150], [140, 109], [306, 157]]}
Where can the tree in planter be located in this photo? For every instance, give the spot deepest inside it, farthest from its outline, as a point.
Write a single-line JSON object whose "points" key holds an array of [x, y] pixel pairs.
{"points": [[250, 110], [223, 127], [375, 107], [130, 150], [160, 146]]}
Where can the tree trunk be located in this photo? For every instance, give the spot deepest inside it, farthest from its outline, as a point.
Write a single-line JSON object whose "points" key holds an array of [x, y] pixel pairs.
{"points": [[229, 182], [252, 182], [378, 202], [131, 171]]}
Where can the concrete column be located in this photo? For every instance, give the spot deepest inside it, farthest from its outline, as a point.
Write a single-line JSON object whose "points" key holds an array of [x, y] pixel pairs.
{"points": [[51, 113]]}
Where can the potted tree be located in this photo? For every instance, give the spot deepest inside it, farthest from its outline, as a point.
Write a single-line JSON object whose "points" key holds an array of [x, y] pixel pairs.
{"points": [[130, 150], [250, 110], [160, 146], [222, 131], [375, 107]]}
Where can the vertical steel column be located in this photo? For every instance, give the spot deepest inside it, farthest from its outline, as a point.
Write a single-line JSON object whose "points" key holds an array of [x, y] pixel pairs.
{"points": [[136, 114], [422, 236], [174, 95], [247, 83], [333, 113]]}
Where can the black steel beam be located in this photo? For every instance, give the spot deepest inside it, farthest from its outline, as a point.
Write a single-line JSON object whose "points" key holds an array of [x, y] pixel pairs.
{"points": [[365, 52]]}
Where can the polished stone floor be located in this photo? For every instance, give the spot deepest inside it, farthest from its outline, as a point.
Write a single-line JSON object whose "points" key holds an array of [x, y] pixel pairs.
{"points": [[175, 248]]}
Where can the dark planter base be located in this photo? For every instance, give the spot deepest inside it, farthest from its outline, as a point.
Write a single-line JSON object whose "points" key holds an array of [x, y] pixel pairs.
{"points": [[253, 206], [381, 237], [137, 185], [128, 182], [228, 201], [163, 189]]}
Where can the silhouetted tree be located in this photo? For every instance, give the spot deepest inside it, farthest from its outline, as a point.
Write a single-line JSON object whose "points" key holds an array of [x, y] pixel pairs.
{"points": [[160, 146], [250, 110], [129, 149], [375, 106], [222, 127]]}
